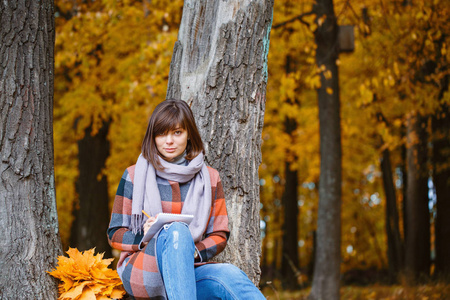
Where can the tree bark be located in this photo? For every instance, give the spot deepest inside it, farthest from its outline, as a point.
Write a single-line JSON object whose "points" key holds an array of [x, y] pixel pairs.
{"points": [[441, 179], [395, 252], [404, 185], [417, 243], [325, 283], [30, 240], [219, 66], [289, 260], [92, 214]]}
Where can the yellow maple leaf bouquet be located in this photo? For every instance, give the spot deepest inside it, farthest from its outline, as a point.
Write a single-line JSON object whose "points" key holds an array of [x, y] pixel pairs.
{"points": [[85, 276]]}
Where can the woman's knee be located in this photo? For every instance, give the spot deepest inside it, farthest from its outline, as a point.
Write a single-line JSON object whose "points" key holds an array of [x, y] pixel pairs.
{"points": [[180, 227], [177, 234]]}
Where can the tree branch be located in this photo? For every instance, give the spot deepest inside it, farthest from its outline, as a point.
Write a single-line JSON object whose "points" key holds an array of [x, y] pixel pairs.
{"points": [[299, 18]]}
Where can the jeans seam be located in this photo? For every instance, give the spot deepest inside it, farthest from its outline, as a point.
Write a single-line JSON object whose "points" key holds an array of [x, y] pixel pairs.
{"points": [[223, 285]]}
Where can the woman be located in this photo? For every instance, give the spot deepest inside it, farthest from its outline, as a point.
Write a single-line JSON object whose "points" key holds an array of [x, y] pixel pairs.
{"points": [[170, 176]]}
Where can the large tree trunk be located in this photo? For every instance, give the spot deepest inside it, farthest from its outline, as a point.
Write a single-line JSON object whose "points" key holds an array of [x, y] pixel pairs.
{"points": [[28, 219], [441, 178], [219, 66], [417, 242], [325, 283], [92, 213], [394, 250]]}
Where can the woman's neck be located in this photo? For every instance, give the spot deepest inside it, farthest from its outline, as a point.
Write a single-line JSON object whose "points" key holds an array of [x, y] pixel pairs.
{"points": [[179, 160]]}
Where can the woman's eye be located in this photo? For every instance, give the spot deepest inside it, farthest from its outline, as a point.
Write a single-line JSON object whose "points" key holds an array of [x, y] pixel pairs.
{"points": [[178, 132]]}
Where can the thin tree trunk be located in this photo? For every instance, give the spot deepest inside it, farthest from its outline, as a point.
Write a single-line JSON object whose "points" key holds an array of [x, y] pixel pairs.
{"points": [[392, 220], [325, 283], [30, 240], [289, 260], [441, 179], [92, 215], [312, 261], [417, 243], [219, 66], [404, 187]]}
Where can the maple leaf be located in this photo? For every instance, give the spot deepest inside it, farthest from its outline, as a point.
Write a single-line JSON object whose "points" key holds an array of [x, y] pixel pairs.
{"points": [[86, 276]]}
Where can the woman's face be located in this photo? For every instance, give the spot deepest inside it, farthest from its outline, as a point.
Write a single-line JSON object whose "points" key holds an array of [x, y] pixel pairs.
{"points": [[172, 143]]}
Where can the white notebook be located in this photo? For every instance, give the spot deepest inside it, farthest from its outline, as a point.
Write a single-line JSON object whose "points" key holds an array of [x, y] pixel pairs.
{"points": [[164, 218]]}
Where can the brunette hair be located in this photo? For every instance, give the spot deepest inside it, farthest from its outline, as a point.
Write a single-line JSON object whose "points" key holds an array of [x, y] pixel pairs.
{"points": [[168, 115]]}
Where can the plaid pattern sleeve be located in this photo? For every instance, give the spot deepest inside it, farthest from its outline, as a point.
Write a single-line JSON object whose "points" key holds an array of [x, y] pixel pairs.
{"points": [[217, 231], [119, 236]]}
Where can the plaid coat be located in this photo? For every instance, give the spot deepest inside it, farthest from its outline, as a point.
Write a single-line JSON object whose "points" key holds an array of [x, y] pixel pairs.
{"points": [[140, 274]]}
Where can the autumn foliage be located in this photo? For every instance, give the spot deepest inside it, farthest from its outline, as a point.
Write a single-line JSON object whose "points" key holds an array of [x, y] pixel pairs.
{"points": [[85, 276], [398, 69], [112, 61]]}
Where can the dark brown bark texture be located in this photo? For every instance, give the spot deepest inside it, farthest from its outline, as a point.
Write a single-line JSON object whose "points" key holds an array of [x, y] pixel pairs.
{"points": [[219, 66], [92, 214], [394, 251], [290, 257], [289, 260], [441, 178], [404, 175], [417, 241], [28, 219], [325, 283]]}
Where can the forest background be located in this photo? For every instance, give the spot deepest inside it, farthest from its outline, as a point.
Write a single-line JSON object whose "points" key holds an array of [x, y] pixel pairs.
{"points": [[112, 61]]}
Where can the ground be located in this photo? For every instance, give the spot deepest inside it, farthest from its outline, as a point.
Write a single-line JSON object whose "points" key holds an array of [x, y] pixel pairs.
{"points": [[432, 291]]}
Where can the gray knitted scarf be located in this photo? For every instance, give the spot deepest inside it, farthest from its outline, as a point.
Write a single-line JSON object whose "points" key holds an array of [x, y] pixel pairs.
{"points": [[146, 193]]}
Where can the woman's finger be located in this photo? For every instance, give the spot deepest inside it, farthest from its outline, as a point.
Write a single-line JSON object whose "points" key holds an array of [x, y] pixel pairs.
{"points": [[148, 223]]}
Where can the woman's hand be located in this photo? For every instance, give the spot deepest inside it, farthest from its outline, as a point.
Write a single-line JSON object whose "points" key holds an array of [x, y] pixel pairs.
{"points": [[150, 221]]}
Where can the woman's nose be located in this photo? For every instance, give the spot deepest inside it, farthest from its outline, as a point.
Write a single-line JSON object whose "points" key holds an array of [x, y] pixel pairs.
{"points": [[169, 139]]}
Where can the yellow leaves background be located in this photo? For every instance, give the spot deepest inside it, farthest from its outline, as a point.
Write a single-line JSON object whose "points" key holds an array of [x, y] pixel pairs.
{"points": [[112, 60], [85, 276], [388, 76]]}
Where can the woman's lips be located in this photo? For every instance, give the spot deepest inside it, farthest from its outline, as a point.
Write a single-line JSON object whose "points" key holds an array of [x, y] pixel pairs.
{"points": [[169, 149]]}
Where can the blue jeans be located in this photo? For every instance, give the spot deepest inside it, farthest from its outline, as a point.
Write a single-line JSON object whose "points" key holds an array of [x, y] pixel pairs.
{"points": [[175, 253]]}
